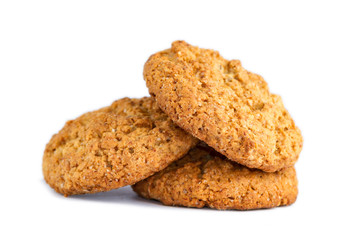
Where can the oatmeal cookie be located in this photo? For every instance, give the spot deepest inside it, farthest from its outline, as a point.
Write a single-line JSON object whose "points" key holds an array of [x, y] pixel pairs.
{"points": [[224, 105], [113, 147], [204, 178]]}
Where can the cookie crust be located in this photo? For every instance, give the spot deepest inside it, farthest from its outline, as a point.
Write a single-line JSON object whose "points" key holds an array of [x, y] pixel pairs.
{"points": [[203, 178], [224, 105], [113, 147]]}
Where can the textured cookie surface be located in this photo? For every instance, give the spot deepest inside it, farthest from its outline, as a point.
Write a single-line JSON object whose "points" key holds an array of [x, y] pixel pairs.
{"points": [[205, 178], [221, 103], [112, 147]]}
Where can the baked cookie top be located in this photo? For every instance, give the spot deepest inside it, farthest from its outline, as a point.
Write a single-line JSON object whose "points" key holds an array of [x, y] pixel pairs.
{"points": [[226, 106], [205, 178], [112, 147]]}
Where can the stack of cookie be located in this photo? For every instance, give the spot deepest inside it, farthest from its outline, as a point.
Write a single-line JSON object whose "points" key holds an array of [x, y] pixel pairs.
{"points": [[210, 135]]}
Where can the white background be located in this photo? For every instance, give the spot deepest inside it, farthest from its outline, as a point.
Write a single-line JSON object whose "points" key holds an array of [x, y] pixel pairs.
{"points": [[59, 59]]}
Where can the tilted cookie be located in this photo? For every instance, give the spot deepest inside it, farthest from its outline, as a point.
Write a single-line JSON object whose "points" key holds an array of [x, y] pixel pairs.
{"points": [[112, 147], [205, 178], [221, 103]]}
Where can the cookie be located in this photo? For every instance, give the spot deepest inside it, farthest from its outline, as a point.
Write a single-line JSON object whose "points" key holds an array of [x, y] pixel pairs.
{"points": [[204, 178], [224, 105], [113, 147]]}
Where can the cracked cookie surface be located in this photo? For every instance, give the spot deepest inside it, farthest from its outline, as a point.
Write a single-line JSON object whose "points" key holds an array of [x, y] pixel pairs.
{"points": [[112, 147], [204, 178], [224, 105]]}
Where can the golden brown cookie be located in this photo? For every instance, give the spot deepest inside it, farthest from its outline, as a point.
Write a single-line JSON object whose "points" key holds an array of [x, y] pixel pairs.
{"points": [[221, 103], [112, 147], [205, 178]]}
